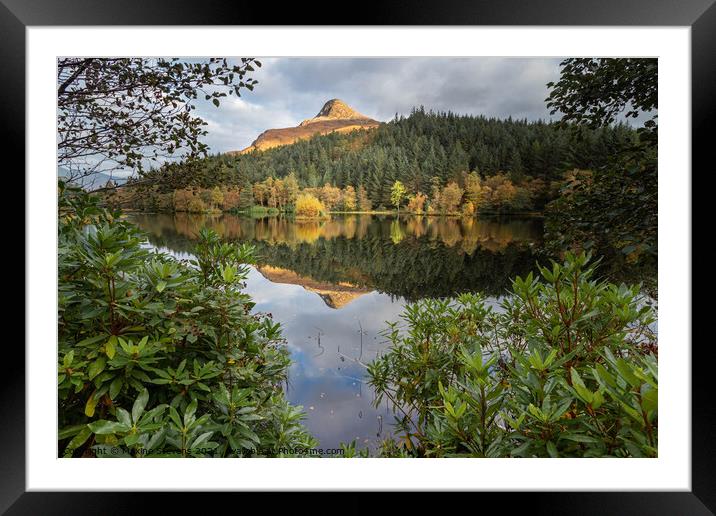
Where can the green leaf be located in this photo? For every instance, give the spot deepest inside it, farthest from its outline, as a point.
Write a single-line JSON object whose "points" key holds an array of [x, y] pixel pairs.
{"points": [[228, 274], [633, 413], [535, 411], [189, 414], [123, 417], [552, 450], [201, 439], [96, 367], [69, 431], [90, 405], [626, 372], [605, 376], [580, 438], [115, 387], [104, 427], [91, 340], [174, 415], [78, 440], [139, 405], [584, 394], [650, 399], [110, 347], [131, 439], [69, 357], [155, 439], [151, 414]]}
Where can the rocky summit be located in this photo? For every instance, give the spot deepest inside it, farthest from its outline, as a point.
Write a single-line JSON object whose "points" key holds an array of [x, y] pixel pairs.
{"points": [[334, 116]]}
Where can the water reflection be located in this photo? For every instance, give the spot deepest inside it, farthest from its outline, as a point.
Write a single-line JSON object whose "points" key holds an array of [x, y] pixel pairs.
{"points": [[332, 285], [470, 233], [328, 348], [343, 258]]}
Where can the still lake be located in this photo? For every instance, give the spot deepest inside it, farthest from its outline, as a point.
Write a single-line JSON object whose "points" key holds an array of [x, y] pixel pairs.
{"points": [[333, 285]]}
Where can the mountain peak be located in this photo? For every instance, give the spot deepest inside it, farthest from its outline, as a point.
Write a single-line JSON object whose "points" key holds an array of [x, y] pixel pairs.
{"points": [[336, 108], [334, 116]]}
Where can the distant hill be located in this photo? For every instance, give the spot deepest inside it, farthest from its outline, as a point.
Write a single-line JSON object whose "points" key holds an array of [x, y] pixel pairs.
{"points": [[335, 116], [93, 181]]}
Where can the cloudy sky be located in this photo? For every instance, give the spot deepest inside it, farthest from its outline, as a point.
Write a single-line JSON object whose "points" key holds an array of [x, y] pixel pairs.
{"points": [[291, 90]]}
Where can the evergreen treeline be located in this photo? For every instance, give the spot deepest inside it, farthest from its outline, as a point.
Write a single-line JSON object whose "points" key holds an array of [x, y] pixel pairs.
{"points": [[424, 150]]}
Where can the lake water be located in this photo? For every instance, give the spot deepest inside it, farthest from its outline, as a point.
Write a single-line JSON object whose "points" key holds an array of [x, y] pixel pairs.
{"points": [[333, 285]]}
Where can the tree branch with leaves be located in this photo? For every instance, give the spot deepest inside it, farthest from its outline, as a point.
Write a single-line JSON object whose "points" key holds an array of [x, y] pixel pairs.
{"points": [[128, 113]]}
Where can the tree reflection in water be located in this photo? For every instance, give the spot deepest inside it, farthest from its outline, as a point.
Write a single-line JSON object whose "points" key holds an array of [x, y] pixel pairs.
{"points": [[409, 257]]}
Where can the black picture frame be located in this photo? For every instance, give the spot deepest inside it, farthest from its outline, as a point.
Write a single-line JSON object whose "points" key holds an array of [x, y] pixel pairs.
{"points": [[700, 15]]}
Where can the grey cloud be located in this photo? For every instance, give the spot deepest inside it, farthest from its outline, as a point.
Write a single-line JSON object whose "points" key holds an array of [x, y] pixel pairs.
{"points": [[293, 89]]}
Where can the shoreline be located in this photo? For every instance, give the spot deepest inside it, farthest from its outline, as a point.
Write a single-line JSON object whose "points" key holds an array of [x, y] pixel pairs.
{"points": [[263, 214]]}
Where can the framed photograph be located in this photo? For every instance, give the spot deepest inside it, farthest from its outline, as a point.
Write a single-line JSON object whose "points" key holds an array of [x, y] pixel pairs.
{"points": [[437, 249]]}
